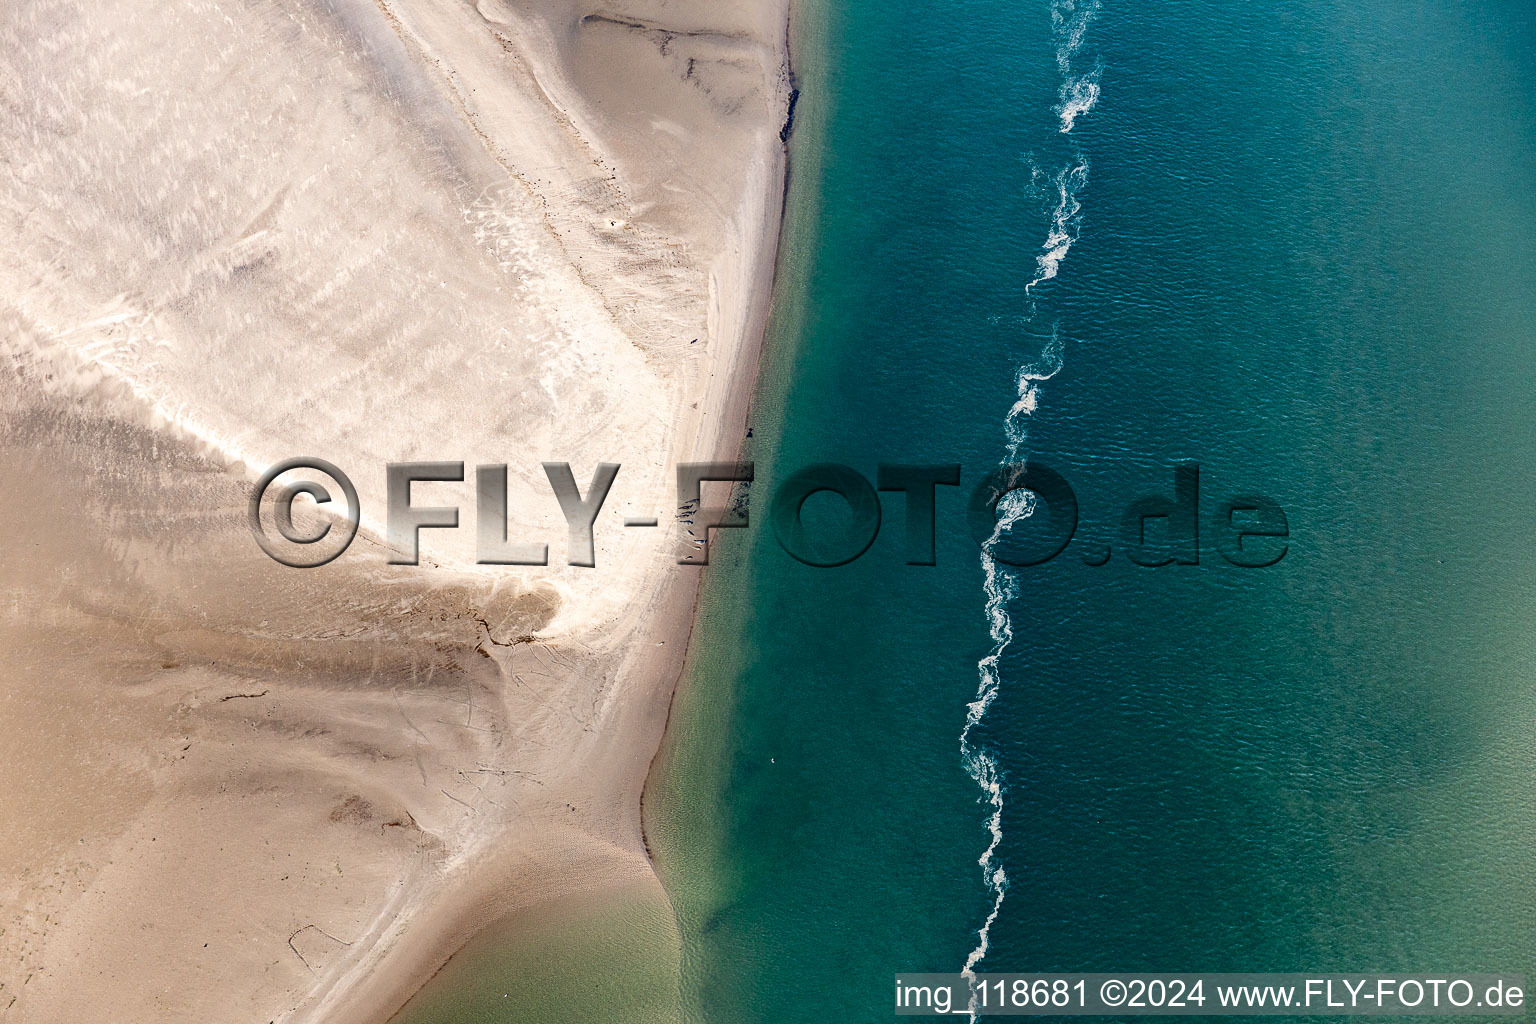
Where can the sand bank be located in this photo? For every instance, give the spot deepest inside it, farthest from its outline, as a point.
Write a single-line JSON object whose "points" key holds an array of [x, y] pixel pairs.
{"points": [[368, 232]]}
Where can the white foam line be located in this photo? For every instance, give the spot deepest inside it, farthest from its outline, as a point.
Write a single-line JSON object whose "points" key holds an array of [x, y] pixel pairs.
{"points": [[1064, 217], [1001, 586], [1079, 92], [1078, 95]]}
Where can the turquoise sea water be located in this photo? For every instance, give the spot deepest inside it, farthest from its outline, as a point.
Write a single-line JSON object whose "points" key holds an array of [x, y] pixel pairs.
{"points": [[1301, 251]]}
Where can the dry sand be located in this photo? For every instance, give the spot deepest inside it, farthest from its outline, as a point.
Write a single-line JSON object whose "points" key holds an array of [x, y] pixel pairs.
{"points": [[236, 231]]}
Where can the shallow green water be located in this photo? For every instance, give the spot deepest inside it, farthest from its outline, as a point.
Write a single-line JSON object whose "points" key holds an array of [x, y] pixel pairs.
{"points": [[607, 957]]}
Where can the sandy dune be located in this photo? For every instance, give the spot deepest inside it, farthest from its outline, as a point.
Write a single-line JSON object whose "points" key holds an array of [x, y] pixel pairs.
{"points": [[236, 232]]}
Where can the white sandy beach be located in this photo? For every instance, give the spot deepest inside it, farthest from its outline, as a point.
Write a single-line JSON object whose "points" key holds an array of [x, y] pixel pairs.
{"points": [[369, 232]]}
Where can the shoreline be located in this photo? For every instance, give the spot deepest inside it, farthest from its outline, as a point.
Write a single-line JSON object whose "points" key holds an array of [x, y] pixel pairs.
{"points": [[676, 622], [335, 779], [679, 596], [748, 394]]}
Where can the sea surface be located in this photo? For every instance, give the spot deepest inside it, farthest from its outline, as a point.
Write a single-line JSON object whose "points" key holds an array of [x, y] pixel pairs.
{"points": [[1292, 244]]}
